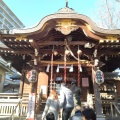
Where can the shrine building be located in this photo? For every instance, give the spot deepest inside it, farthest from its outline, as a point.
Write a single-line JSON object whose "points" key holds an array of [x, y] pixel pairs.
{"points": [[66, 46]]}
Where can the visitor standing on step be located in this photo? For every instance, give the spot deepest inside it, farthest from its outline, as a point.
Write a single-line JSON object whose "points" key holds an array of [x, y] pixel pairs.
{"points": [[52, 106], [66, 101], [77, 115], [76, 95]]}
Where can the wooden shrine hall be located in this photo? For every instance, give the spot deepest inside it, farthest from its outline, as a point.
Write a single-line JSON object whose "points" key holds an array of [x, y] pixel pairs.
{"points": [[66, 46]]}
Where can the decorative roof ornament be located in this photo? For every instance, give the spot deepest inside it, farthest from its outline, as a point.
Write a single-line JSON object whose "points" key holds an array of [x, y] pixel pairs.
{"points": [[66, 10], [66, 3], [66, 26], [23, 37]]}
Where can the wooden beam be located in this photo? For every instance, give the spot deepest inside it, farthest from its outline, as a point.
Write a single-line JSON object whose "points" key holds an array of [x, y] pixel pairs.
{"points": [[61, 51], [34, 44], [46, 43], [109, 46], [8, 51], [75, 63], [108, 52]]}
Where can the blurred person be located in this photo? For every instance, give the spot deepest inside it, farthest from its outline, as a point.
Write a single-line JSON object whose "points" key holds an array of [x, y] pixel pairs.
{"points": [[88, 114], [50, 116], [66, 101], [77, 115], [76, 95], [52, 106]]}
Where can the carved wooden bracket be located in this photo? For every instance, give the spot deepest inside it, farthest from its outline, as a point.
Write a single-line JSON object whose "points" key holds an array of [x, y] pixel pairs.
{"points": [[66, 26]]}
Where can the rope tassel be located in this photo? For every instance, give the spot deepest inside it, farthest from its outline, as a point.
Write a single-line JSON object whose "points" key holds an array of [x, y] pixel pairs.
{"points": [[51, 79], [79, 70], [65, 67], [79, 52]]}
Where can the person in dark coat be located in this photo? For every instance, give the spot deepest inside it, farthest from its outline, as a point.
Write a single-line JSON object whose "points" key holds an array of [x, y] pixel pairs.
{"points": [[77, 115], [76, 95]]}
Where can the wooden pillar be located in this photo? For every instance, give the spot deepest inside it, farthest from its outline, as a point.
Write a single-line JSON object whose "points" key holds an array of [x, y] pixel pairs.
{"points": [[22, 79], [32, 97], [98, 105]]}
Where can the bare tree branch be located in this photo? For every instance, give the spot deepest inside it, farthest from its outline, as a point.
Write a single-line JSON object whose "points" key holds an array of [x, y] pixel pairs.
{"points": [[108, 15]]}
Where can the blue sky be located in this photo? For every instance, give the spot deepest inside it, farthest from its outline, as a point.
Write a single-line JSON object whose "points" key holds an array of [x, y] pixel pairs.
{"points": [[30, 12]]}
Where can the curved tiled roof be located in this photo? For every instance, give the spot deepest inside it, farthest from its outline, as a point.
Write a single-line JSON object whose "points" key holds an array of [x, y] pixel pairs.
{"points": [[67, 13]]}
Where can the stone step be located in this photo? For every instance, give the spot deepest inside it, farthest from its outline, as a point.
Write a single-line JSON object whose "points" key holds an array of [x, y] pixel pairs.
{"points": [[15, 118], [39, 116], [42, 106], [113, 118]]}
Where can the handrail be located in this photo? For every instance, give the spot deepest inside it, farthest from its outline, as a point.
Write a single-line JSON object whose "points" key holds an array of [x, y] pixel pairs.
{"points": [[116, 108], [20, 100], [15, 110]]}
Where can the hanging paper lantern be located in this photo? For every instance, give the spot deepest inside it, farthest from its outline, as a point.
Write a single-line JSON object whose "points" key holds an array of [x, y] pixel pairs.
{"points": [[32, 76], [99, 77]]}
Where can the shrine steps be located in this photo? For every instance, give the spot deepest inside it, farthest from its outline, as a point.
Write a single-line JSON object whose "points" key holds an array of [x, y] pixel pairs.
{"points": [[113, 118], [39, 116], [42, 106], [15, 118]]}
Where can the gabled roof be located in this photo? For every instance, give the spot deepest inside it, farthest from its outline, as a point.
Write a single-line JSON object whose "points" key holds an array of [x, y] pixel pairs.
{"points": [[27, 45], [67, 13]]}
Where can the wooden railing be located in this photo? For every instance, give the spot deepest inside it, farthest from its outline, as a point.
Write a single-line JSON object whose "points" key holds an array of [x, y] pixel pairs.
{"points": [[15, 105], [7, 107], [18, 106], [115, 109], [10, 96], [110, 107]]}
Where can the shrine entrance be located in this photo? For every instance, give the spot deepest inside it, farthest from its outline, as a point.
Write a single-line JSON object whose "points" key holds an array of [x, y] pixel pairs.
{"points": [[83, 78], [62, 47]]}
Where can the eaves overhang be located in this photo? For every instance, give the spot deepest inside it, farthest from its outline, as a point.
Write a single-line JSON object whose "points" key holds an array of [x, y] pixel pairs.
{"points": [[111, 76], [4, 67], [68, 13]]}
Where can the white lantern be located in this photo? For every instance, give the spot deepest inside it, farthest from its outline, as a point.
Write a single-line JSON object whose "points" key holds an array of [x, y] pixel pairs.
{"points": [[99, 77], [32, 76]]}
